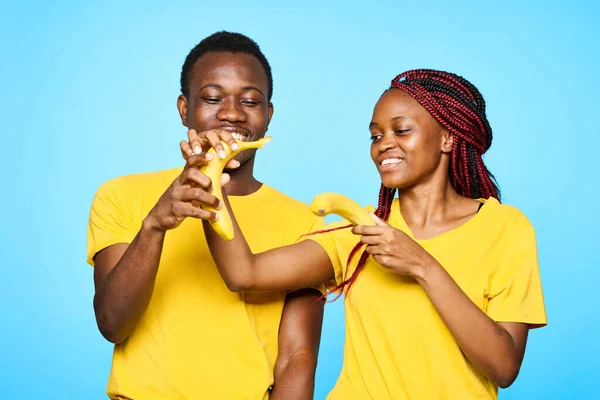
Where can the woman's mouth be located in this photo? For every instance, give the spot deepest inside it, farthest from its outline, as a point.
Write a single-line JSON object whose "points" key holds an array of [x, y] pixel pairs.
{"points": [[389, 163]]}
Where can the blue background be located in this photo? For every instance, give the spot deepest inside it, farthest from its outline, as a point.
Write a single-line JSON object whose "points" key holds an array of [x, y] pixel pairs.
{"points": [[88, 92]]}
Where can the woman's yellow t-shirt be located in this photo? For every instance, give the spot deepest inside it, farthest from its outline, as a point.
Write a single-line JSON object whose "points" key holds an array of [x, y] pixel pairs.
{"points": [[397, 346]]}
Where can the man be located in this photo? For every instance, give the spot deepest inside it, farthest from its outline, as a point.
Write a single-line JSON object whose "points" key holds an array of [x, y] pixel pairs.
{"points": [[179, 333]]}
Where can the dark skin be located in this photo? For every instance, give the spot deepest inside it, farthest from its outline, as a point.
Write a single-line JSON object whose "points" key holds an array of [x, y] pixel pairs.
{"points": [[417, 153], [227, 95]]}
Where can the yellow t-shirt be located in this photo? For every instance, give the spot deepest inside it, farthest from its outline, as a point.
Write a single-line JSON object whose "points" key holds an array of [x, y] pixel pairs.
{"points": [[196, 340], [397, 347]]}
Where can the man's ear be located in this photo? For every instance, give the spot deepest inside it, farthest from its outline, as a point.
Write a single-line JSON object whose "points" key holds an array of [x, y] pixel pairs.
{"points": [[447, 141], [271, 111], [182, 107]]}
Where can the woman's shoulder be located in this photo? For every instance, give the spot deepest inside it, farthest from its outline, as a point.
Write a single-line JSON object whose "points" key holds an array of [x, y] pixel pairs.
{"points": [[509, 214]]}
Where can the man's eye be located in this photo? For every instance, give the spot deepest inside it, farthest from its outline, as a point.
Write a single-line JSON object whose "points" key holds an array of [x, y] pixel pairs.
{"points": [[211, 100], [251, 103]]}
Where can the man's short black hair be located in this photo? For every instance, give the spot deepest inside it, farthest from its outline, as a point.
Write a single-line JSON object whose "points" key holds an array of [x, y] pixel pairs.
{"points": [[225, 42]]}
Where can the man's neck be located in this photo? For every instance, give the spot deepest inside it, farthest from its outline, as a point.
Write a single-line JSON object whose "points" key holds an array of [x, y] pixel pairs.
{"points": [[242, 181]]}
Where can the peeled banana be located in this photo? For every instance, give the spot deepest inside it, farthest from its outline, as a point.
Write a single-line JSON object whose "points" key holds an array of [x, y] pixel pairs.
{"points": [[214, 169], [334, 203]]}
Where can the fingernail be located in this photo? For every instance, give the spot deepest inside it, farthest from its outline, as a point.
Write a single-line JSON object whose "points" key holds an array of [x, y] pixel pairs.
{"points": [[197, 150], [234, 146], [216, 216], [219, 205], [222, 153]]}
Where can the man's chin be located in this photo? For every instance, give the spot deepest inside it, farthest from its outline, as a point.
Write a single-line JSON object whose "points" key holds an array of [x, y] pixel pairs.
{"points": [[242, 161]]}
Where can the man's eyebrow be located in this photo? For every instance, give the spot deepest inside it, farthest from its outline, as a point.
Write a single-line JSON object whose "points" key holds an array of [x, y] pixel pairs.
{"points": [[211, 85], [246, 88], [217, 86]]}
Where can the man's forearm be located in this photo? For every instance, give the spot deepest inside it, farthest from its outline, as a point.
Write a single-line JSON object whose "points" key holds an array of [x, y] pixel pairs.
{"points": [[295, 378], [124, 294]]}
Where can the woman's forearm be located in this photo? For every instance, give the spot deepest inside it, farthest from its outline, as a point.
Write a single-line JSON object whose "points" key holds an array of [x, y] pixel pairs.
{"points": [[486, 343], [297, 266]]}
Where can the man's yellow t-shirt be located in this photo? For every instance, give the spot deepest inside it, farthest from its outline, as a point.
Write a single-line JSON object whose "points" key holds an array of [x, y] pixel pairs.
{"points": [[197, 339], [397, 347]]}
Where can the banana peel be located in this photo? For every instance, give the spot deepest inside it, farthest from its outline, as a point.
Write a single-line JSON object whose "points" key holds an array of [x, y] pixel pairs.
{"points": [[214, 169], [333, 203]]}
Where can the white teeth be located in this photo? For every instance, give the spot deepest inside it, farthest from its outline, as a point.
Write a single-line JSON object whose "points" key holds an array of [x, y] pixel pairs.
{"points": [[391, 161], [238, 136]]}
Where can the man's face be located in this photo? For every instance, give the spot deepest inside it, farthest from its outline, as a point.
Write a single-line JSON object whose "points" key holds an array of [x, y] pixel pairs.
{"points": [[228, 91]]}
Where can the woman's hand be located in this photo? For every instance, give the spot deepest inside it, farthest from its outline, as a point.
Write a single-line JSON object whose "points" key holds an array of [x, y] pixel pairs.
{"points": [[394, 249]]}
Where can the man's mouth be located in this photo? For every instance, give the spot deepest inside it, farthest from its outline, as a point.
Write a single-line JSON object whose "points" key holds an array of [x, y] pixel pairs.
{"points": [[239, 136]]}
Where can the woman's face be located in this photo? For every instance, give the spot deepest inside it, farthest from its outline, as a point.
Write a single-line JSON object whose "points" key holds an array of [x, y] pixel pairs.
{"points": [[409, 147]]}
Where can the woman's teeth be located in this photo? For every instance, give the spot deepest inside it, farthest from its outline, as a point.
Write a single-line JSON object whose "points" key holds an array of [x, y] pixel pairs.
{"points": [[391, 161]]}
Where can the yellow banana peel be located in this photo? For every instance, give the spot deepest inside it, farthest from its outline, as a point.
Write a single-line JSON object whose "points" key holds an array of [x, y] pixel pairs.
{"points": [[334, 203], [214, 169]]}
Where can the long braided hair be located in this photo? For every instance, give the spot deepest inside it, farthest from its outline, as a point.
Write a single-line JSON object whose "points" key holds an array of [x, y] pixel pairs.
{"points": [[460, 108]]}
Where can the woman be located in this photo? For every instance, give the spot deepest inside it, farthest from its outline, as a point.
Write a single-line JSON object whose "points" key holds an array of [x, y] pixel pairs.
{"points": [[441, 294]]}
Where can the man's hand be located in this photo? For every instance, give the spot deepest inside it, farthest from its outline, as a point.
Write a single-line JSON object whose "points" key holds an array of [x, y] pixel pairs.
{"points": [[185, 195], [204, 141]]}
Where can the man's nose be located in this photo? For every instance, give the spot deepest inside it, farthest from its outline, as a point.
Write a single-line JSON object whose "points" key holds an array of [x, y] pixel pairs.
{"points": [[231, 111]]}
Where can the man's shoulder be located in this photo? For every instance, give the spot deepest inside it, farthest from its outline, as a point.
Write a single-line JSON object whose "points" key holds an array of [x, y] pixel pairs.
{"points": [[291, 211], [283, 199], [139, 182]]}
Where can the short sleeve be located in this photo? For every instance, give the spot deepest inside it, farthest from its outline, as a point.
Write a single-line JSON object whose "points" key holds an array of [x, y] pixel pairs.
{"points": [[316, 224], [337, 240], [110, 219], [516, 290]]}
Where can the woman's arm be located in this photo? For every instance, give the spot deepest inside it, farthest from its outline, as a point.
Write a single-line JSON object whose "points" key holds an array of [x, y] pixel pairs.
{"points": [[495, 348], [300, 265]]}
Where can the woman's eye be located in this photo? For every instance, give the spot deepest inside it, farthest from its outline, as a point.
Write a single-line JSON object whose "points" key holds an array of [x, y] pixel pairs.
{"points": [[401, 131], [375, 138]]}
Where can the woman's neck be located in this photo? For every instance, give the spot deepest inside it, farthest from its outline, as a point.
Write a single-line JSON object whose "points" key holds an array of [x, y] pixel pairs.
{"points": [[428, 203]]}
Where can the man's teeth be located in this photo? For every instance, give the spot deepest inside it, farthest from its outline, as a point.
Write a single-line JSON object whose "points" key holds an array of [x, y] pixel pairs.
{"points": [[391, 161], [237, 136]]}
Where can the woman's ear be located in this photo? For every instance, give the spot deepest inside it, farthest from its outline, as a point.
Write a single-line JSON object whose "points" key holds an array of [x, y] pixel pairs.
{"points": [[447, 141]]}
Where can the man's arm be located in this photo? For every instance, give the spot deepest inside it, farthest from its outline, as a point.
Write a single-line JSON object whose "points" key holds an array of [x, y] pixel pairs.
{"points": [[124, 277], [124, 274], [299, 338]]}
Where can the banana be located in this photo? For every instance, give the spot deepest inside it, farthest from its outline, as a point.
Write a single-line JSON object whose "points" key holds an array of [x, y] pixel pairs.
{"points": [[333, 203], [214, 169]]}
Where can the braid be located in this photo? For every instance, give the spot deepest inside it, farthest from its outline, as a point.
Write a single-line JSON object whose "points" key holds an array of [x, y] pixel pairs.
{"points": [[460, 108], [473, 171]]}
